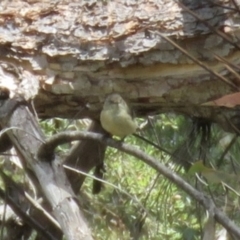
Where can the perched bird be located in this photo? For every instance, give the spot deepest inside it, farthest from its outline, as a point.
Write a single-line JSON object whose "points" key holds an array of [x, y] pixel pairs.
{"points": [[116, 117]]}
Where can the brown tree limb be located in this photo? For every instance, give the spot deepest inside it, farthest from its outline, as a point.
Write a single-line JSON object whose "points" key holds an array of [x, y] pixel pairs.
{"points": [[201, 198], [85, 155], [69, 65]]}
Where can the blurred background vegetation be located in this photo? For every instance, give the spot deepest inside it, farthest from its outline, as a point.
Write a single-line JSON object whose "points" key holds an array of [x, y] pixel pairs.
{"points": [[139, 203], [143, 204]]}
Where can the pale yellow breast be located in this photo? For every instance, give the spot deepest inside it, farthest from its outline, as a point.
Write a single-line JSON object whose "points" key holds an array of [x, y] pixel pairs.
{"points": [[119, 124]]}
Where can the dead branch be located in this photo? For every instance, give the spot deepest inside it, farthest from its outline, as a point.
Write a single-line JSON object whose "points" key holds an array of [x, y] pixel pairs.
{"points": [[27, 137], [201, 198]]}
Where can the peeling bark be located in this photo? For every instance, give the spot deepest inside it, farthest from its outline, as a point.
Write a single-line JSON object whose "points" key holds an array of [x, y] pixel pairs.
{"points": [[27, 137], [67, 56], [70, 55]]}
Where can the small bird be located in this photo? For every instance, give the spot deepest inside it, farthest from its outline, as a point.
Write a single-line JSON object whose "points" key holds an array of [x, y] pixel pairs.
{"points": [[116, 117]]}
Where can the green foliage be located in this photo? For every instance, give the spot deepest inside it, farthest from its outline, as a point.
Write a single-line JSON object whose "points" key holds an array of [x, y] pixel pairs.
{"points": [[155, 209], [142, 204]]}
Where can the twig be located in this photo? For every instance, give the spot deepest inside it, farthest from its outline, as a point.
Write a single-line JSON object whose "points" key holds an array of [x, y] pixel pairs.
{"points": [[204, 200]]}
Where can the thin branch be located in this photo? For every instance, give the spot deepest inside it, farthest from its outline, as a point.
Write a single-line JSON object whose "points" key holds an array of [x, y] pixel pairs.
{"points": [[222, 59], [220, 161], [134, 199], [17, 209], [201, 64], [204, 200], [40, 208], [213, 29], [27, 219]]}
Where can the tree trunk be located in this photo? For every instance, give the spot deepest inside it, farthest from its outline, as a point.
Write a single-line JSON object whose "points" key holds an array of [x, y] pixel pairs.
{"points": [[70, 54], [161, 56]]}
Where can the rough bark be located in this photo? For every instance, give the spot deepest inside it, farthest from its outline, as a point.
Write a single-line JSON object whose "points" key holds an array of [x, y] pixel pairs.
{"points": [[70, 54], [27, 137]]}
